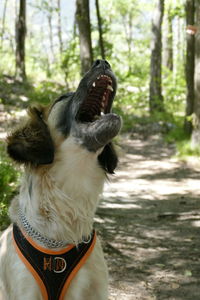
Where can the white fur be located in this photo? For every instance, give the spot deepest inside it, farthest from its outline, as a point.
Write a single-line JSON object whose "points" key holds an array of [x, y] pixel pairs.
{"points": [[61, 205]]}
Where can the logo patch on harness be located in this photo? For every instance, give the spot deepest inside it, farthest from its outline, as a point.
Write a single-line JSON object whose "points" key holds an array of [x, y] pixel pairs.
{"points": [[56, 264]]}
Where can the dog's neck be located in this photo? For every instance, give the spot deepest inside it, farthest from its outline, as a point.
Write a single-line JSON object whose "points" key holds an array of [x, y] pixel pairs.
{"points": [[60, 200]]}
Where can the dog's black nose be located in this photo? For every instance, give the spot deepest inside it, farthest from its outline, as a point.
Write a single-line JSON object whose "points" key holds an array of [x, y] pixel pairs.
{"points": [[101, 63]]}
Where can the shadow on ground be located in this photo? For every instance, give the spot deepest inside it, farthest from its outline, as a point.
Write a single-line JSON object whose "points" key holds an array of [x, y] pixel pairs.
{"points": [[149, 221]]}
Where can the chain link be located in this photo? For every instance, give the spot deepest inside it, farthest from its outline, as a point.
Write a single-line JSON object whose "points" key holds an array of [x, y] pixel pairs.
{"points": [[49, 243]]}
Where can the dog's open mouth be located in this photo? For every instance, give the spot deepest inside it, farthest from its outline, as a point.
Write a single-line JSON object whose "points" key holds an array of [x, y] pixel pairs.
{"points": [[98, 101]]}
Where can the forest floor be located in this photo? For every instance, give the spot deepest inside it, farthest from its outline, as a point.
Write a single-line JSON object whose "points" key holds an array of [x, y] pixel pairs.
{"points": [[149, 222], [148, 219]]}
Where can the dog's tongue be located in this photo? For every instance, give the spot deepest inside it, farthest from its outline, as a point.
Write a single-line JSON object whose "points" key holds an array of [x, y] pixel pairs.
{"points": [[99, 133]]}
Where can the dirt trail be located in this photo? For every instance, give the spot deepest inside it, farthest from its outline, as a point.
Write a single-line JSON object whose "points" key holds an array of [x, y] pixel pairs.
{"points": [[149, 220]]}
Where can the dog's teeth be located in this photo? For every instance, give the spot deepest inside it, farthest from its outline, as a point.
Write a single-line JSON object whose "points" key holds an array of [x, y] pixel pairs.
{"points": [[109, 87], [102, 113], [94, 84]]}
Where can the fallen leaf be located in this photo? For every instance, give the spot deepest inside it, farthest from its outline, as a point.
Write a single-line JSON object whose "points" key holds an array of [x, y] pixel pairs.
{"points": [[175, 285]]}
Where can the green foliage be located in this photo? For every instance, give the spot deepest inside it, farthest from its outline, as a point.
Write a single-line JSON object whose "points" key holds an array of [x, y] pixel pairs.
{"points": [[21, 94], [178, 10], [108, 45], [185, 149], [71, 62], [174, 91], [176, 131], [45, 92], [8, 181], [177, 135]]}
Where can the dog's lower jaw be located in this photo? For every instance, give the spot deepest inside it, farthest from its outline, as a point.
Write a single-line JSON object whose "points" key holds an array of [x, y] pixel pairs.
{"points": [[97, 134]]}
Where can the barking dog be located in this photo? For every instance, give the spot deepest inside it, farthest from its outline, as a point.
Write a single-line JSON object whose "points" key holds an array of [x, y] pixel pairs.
{"points": [[51, 251]]}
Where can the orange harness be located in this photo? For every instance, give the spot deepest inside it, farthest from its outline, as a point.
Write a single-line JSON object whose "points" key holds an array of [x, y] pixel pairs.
{"points": [[53, 270]]}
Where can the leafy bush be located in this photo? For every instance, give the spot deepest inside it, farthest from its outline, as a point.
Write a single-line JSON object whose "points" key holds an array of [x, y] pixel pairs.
{"points": [[71, 64], [185, 149], [45, 92], [8, 182], [174, 93]]}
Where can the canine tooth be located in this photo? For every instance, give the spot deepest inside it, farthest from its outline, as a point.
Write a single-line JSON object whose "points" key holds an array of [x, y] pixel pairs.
{"points": [[109, 87], [94, 84], [102, 113]]}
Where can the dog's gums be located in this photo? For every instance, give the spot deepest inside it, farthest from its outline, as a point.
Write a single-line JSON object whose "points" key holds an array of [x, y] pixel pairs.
{"points": [[97, 102], [95, 125]]}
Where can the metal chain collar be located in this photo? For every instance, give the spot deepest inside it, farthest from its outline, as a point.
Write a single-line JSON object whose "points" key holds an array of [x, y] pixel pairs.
{"points": [[49, 243]]}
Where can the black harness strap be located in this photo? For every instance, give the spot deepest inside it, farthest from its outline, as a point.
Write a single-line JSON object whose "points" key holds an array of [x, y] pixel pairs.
{"points": [[54, 270]]}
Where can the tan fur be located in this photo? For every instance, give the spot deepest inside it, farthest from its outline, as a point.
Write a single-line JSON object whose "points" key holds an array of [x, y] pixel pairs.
{"points": [[32, 142], [63, 199]]}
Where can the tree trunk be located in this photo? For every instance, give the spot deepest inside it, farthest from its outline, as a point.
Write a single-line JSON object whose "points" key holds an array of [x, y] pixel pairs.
{"points": [[156, 98], [83, 21], [168, 41], [20, 42], [128, 30], [190, 60], [196, 121], [101, 43], [3, 22], [50, 19], [59, 28]]}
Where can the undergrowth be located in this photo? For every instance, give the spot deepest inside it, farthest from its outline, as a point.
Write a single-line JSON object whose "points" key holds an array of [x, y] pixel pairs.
{"points": [[9, 179]]}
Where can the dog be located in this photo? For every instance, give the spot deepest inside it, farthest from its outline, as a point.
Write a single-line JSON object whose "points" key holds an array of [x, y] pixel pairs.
{"points": [[66, 149]]}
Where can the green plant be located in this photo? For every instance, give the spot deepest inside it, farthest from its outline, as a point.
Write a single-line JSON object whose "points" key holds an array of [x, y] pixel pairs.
{"points": [[185, 149], [8, 181], [71, 63], [45, 92], [174, 92]]}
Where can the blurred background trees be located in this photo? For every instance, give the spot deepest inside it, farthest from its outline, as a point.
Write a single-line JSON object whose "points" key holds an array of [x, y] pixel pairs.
{"points": [[155, 96], [20, 35], [196, 107], [152, 46], [83, 21]]}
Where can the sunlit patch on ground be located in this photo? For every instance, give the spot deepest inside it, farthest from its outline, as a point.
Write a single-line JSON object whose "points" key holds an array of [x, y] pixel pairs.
{"points": [[149, 220]]}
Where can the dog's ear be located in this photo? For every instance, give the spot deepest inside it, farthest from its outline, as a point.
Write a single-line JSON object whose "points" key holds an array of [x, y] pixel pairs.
{"points": [[108, 158], [32, 143]]}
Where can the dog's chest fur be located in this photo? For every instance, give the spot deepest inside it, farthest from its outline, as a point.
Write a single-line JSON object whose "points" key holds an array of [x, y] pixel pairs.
{"points": [[61, 200]]}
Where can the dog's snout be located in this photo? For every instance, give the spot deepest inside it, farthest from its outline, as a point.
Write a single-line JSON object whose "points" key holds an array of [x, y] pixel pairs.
{"points": [[101, 63], [107, 64], [96, 63]]}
